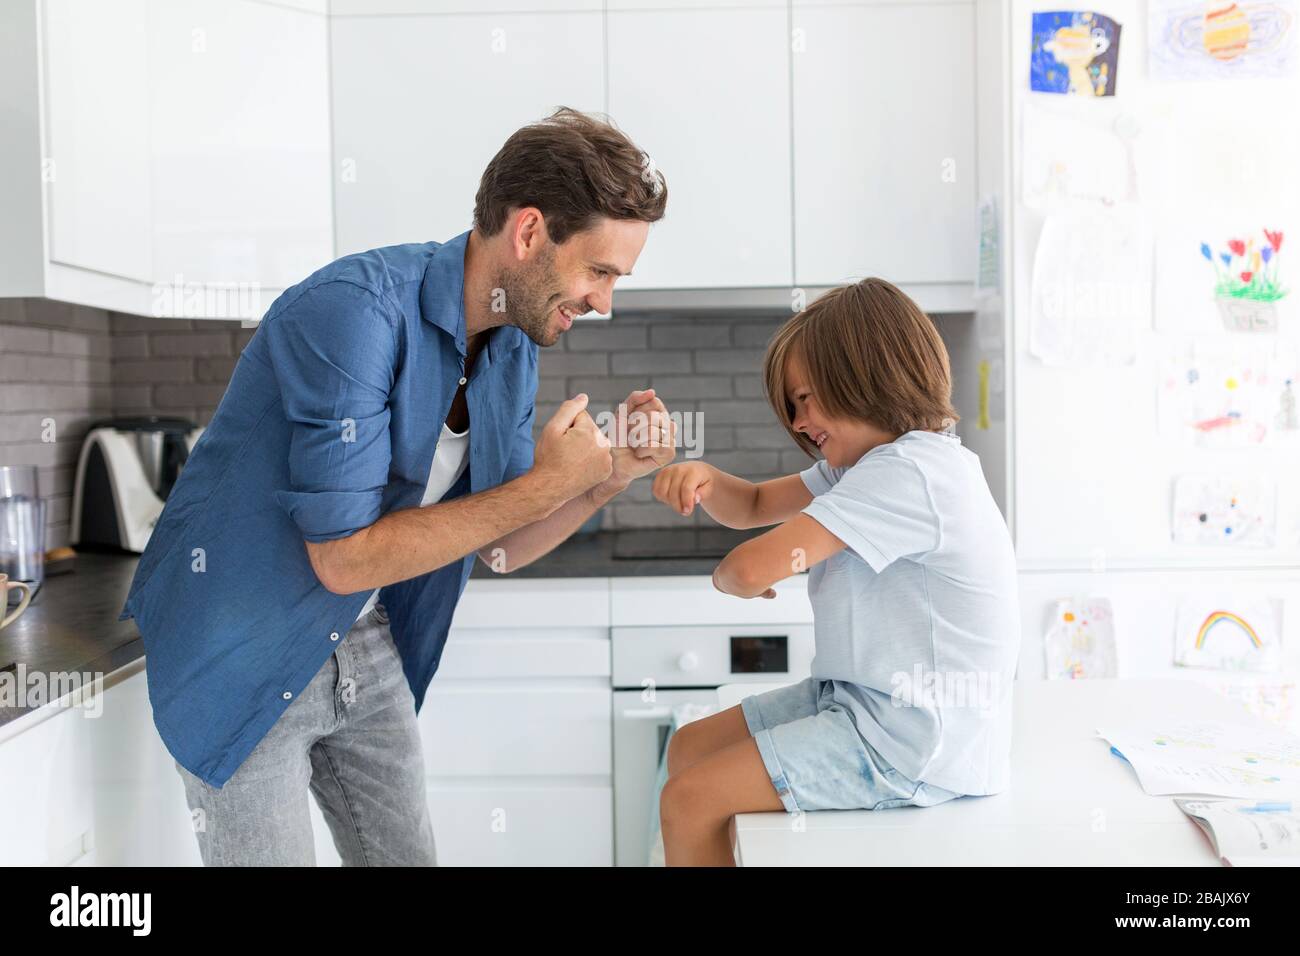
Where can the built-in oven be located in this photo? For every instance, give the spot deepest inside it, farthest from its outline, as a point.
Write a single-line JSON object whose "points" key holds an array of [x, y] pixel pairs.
{"points": [[665, 675]]}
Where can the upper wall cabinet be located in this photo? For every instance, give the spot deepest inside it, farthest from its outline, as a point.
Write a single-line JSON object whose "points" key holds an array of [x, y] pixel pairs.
{"points": [[423, 103], [884, 142], [346, 8], [215, 142], [175, 145], [239, 112], [707, 94], [97, 131]]}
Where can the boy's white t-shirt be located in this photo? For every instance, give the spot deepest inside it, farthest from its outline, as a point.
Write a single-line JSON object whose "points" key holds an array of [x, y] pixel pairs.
{"points": [[917, 621], [449, 461]]}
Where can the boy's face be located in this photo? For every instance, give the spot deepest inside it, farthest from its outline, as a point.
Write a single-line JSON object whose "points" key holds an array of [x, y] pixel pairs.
{"points": [[842, 441]]}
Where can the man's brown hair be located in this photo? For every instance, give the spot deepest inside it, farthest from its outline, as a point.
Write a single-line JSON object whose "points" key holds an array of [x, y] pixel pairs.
{"points": [[869, 353], [574, 168]]}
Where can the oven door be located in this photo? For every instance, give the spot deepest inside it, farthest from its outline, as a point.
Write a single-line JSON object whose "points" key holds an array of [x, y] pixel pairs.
{"points": [[641, 731]]}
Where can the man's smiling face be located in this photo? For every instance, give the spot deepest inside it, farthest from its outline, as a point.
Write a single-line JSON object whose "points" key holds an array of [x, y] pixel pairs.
{"points": [[555, 284]]}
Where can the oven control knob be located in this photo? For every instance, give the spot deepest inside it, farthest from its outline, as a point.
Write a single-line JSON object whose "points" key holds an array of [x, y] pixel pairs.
{"points": [[688, 661]]}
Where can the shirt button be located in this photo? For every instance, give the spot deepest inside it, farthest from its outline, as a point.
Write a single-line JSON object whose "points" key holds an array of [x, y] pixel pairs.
{"points": [[334, 636], [287, 695], [462, 381]]}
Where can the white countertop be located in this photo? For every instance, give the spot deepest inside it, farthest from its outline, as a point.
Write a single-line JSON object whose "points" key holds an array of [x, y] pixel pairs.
{"points": [[1071, 802]]}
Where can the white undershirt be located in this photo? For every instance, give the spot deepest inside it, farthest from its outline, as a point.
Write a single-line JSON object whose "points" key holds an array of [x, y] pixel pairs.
{"points": [[449, 461]]}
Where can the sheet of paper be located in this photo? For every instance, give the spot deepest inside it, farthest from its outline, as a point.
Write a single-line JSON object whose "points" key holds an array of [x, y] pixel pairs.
{"points": [[1225, 278], [1248, 833], [1218, 511], [1228, 392], [1212, 758], [1221, 40], [1074, 52], [1231, 633], [1073, 158], [1080, 641], [1272, 700], [1091, 289], [988, 276]]}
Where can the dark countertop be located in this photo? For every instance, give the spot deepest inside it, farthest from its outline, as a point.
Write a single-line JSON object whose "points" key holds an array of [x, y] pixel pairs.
{"points": [[71, 626], [632, 553]]}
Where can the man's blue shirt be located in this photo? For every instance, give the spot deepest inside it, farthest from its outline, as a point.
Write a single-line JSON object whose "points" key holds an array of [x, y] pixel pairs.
{"points": [[330, 420]]}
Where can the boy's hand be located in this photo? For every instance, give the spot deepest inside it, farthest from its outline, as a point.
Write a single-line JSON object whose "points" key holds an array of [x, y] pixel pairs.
{"points": [[684, 485]]}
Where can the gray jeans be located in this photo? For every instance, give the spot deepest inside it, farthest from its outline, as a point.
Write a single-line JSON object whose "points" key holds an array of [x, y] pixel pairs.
{"points": [[351, 739]]}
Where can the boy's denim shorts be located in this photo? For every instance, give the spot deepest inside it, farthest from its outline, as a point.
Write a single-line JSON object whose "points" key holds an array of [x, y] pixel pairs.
{"points": [[816, 758]]}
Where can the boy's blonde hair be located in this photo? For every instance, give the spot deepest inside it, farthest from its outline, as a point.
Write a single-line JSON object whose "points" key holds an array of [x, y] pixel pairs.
{"points": [[870, 353]]}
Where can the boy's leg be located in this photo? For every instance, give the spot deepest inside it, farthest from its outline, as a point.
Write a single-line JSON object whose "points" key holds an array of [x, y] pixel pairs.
{"points": [[697, 804], [706, 736], [694, 741]]}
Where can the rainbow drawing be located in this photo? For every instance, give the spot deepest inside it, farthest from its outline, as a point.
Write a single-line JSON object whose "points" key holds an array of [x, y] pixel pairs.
{"points": [[1217, 617]]}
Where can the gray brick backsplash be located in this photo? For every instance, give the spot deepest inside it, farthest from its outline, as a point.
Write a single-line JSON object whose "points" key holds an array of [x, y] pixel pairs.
{"points": [[605, 336], [739, 412], [215, 369], [728, 361], [76, 365], [650, 362], [550, 390], [754, 334], [700, 386], [191, 343], [684, 334], [20, 339], [607, 391], [175, 399], [763, 437], [748, 386], [138, 371]]}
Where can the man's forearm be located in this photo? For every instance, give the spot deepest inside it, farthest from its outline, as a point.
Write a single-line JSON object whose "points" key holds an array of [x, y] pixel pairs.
{"points": [[405, 544], [526, 544]]}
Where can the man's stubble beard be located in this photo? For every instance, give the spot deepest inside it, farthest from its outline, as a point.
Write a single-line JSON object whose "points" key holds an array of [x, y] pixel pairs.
{"points": [[531, 292]]}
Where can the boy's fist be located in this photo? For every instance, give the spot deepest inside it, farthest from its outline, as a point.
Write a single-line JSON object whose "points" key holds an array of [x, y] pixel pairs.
{"points": [[684, 485]]}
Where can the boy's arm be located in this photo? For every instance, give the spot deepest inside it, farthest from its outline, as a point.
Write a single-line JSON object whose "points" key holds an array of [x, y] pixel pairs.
{"points": [[731, 501], [752, 568]]}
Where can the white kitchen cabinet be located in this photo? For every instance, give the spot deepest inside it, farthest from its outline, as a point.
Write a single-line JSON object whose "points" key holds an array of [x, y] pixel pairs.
{"points": [[141, 817], [164, 156], [706, 93], [240, 142], [552, 727], [46, 811], [421, 104], [516, 726], [884, 142], [343, 8], [97, 131], [93, 784], [522, 824]]}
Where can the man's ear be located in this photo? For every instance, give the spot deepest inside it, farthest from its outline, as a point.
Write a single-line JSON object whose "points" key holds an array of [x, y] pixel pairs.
{"points": [[529, 232]]}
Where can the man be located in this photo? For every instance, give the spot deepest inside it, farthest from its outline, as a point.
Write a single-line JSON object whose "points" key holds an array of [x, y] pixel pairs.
{"points": [[376, 435]]}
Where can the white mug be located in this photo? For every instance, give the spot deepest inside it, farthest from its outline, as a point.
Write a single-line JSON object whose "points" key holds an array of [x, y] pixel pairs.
{"points": [[5, 585]]}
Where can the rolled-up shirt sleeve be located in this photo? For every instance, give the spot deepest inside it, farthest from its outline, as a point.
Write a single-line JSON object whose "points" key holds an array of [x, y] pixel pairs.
{"points": [[334, 351]]}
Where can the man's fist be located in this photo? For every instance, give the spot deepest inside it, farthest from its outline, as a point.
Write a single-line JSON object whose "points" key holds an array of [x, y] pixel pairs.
{"points": [[572, 451]]}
